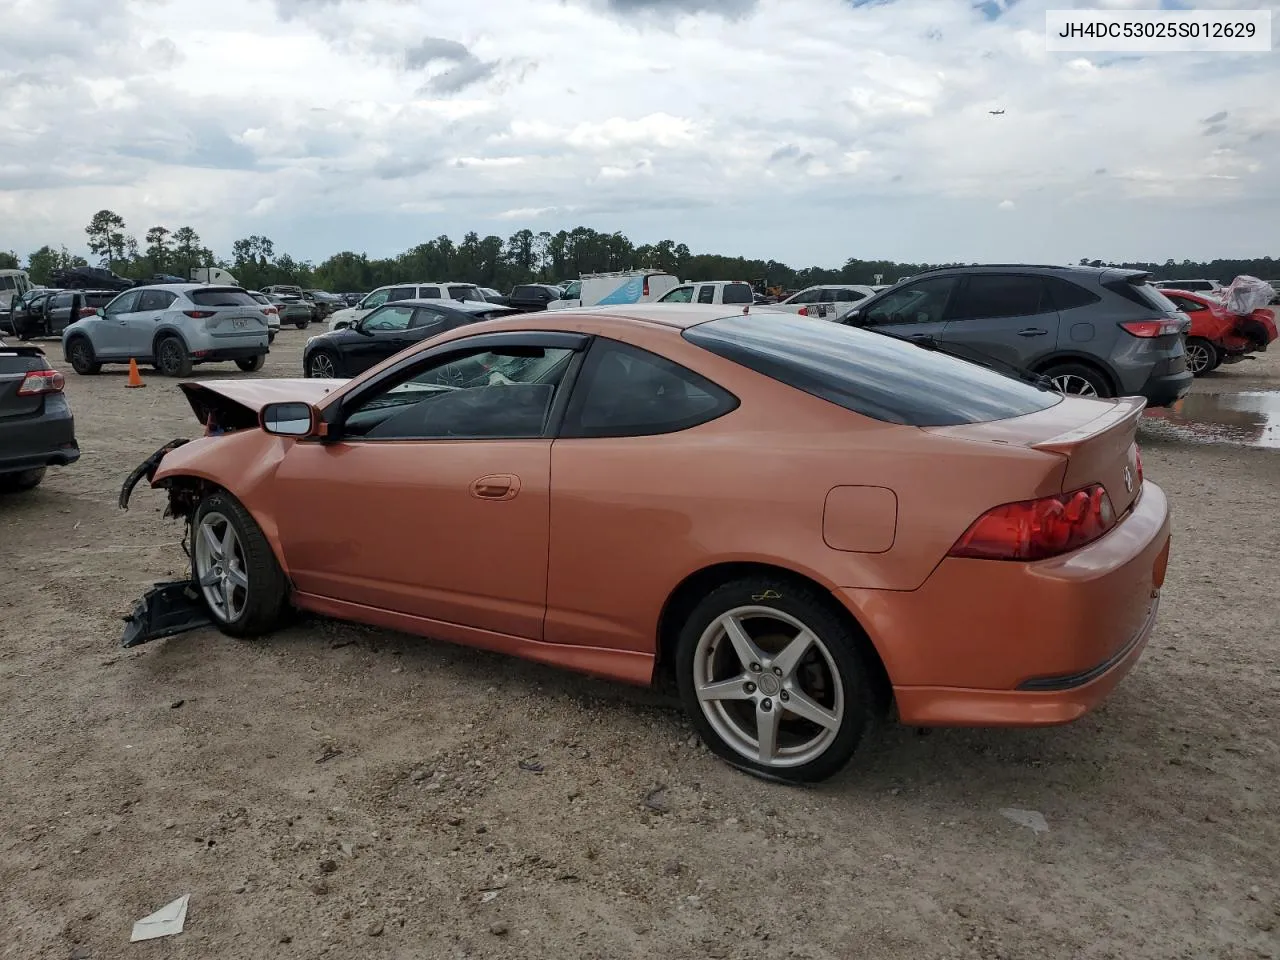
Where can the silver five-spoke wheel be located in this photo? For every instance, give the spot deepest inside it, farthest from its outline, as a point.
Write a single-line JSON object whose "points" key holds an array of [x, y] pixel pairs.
{"points": [[220, 567], [768, 686]]}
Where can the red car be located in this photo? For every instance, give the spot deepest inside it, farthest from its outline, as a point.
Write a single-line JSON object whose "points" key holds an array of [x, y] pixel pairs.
{"points": [[1218, 336]]}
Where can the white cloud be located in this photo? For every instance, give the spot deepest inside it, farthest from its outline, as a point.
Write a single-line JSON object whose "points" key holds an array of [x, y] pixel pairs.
{"points": [[806, 130]]}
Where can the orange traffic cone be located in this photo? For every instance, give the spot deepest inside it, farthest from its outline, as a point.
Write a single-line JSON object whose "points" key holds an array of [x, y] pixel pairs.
{"points": [[135, 378]]}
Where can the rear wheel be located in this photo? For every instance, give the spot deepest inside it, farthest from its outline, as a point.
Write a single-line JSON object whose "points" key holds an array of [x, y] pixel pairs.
{"points": [[235, 569], [23, 480], [302, 323], [1202, 356], [1075, 379], [172, 357], [322, 365], [773, 679], [250, 364], [80, 354]]}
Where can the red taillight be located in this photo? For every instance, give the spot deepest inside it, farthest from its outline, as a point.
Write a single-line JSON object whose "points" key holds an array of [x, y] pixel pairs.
{"points": [[1152, 328], [645, 293], [87, 312], [804, 311], [269, 310], [41, 381], [1038, 529], [199, 314], [1137, 456]]}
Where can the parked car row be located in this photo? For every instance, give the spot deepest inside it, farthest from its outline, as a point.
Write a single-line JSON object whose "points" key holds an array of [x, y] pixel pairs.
{"points": [[44, 312]]}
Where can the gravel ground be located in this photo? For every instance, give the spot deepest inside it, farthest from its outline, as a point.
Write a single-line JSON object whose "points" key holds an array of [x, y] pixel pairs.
{"points": [[349, 792]]}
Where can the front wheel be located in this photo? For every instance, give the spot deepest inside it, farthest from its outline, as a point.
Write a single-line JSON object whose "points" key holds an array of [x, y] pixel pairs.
{"points": [[250, 364], [773, 680], [1077, 380], [322, 365], [1202, 356], [235, 569]]}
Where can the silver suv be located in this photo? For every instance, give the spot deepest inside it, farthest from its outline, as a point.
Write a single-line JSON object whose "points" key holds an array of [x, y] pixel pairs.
{"points": [[173, 326], [1098, 332]]}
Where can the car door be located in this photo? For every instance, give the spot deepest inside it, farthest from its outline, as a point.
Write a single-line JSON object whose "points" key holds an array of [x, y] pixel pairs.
{"points": [[142, 323], [379, 335], [678, 295], [1009, 316], [111, 332], [428, 321], [917, 310], [707, 293], [432, 498]]}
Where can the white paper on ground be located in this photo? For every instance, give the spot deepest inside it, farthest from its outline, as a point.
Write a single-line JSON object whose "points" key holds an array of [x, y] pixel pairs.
{"points": [[165, 922]]}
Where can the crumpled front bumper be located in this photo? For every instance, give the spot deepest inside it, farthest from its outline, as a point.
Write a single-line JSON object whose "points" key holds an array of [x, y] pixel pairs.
{"points": [[146, 469]]}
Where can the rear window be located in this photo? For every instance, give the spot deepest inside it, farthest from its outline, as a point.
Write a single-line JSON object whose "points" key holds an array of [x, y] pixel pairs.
{"points": [[221, 297], [465, 293], [1067, 295], [871, 374], [738, 293]]}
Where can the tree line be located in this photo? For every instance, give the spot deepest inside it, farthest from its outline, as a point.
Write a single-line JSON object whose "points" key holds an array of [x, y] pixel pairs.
{"points": [[491, 261]]}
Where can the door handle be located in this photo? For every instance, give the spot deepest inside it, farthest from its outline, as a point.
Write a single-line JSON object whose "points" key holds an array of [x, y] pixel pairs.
{"points": [[1032, 332], [496, 486]]}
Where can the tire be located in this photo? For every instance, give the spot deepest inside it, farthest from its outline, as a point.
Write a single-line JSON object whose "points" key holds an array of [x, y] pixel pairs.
{"points": [[303, 323], [252, 364], [1202, 356], [81, 357], [322, 365], [258, 590], [831, 675], [172, 357], [23, 480], [1078, 380]]}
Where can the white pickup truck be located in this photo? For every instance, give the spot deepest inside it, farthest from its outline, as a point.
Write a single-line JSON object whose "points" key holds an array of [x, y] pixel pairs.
{"points": [[711, 291]]}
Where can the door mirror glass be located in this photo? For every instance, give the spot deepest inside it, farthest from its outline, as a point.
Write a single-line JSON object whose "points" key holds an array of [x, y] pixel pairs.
{"points": [[99, 312], [289, 419]]}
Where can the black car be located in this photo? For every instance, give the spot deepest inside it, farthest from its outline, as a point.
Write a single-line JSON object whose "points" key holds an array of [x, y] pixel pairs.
{"points": [[27, 310], [49, 315], [90, 278], [36, 427], [530, 297], [388, 330]]}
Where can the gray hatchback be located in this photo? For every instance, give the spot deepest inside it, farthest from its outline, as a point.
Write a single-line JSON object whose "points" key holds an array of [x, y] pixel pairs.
{"points": [[173, 326], [1094, 331]]}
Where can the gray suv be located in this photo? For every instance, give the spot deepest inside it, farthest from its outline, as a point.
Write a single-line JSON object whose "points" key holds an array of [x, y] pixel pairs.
{"points": [[1094, 331], [173, 326]]}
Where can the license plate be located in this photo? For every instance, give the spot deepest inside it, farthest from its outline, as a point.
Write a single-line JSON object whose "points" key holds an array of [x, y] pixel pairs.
{"points": [[238, 322]]}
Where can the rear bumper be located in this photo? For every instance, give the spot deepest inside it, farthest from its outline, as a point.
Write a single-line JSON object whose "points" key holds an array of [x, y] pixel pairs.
{"points": [[1164, 390], [988, 643], [219, 354], [46, 440]]}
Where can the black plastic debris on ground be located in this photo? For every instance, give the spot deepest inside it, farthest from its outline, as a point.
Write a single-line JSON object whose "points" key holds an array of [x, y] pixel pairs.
{"points": [[165, 610]]}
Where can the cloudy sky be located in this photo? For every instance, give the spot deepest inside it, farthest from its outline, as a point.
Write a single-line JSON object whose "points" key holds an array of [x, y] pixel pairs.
{"points": [[805, 130]]}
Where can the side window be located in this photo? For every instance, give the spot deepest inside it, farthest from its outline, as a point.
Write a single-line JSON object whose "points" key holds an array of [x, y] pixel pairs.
{"points": [[60, 301], [155, 300], [624, 391], [428, 318], [573, 291], [845, 295], [1185, 305], [706, 293], [500, 394], [8, 283], [806, 296], [389, 317], [991, 296], [828, 296], [738, 293], [523, 293], [924, 301], [678, 295], [125, 303], [374, 300], [426, 293], [403, 293], [1067, 295]]}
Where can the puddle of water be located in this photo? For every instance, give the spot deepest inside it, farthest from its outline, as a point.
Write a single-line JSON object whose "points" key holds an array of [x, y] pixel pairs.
{"points": [[1251, 418]]}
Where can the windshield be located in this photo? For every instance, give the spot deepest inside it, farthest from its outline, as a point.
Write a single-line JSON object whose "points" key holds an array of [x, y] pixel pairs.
{"points": [[873, 375]]}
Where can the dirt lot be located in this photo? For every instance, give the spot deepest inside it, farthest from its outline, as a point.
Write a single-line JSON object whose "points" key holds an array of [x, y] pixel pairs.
{"points": [[348, 792]]}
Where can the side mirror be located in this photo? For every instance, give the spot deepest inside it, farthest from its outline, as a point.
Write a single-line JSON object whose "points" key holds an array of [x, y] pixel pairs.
{"points": [[100, 312], [358, 327], [291, 419]]}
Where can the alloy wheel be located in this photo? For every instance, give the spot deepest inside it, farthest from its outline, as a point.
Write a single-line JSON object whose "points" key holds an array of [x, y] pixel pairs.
{"points": [[1075, 386], [1197, 358], [768, 686], [220, 567], [322, 367]]}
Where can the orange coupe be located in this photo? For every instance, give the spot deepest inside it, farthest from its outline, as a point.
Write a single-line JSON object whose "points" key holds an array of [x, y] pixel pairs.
{"points": [[806, 523]]}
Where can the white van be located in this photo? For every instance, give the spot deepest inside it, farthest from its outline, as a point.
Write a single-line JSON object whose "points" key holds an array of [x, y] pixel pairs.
{"points": [[711, 291], [611, 289], [13, 284], [342, 319]]}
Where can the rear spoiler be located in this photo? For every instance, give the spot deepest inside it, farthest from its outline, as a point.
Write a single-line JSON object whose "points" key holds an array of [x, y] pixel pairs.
{"points": [[1134, 277], [1121, 412]]}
